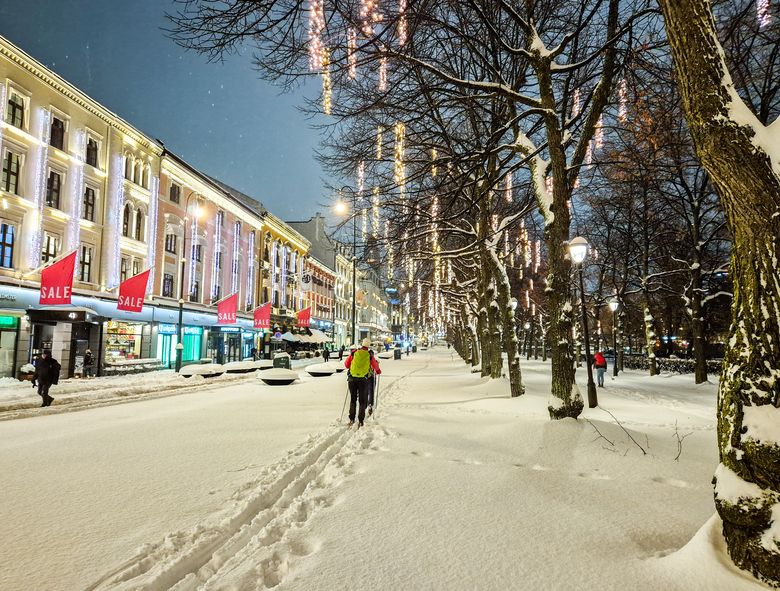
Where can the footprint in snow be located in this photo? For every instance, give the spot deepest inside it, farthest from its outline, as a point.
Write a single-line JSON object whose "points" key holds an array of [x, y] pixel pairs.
{"points": [[672, 482], [540, 468], [594, 476], [421, 454]]}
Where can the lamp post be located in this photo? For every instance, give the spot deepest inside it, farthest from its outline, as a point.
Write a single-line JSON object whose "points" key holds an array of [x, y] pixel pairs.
{"points": [[578, 250], [613, 305], [341, 209], [527, 339], [180, 344]]}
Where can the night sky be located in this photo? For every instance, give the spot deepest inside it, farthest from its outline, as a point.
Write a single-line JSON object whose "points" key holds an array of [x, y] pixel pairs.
{"points": [[219, 117]]}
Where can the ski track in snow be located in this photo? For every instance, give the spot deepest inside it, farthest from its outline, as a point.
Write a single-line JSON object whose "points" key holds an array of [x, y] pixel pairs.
{"points": [[253, 543]]}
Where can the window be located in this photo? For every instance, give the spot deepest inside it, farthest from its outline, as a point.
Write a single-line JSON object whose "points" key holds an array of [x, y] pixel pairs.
{"points": [[175, 193], [195, 292], [126, 221], [6, 246], [198, 250], [139, 225], [217, 292], [85, 264], [92, 152], [218, 262], [136, 267], [57, 133], [88, 206], [51, 245], [15, 114], [123, 269], [53, 185], [167, 290], [137, 172], [145, 178], [170, 243], [11, 165], [128, 168]]}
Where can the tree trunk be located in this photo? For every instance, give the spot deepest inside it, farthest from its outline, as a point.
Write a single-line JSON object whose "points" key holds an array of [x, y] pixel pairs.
{"points": [[697, 328], [730, 143], [650, 338], [516, 387]]}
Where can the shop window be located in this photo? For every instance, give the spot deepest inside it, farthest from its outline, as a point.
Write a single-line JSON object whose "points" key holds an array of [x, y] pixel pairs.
{"points": [[11, 166], [92, 152], [123, 269], [7, 246], [51, 244], [139, 225], [85, 264], [57, 133], [53, 187], [170, 243], [15, 110], [88, 206], [123, 340], [195, 292], [175, 193], [126, 220], [167, 287]]}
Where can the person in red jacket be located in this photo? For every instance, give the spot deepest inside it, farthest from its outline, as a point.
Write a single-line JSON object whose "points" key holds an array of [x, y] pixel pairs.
{"points": [[600, 363], [361, 366]]}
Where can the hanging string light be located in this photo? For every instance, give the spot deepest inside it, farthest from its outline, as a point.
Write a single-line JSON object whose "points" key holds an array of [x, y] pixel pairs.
{"points": [[352, 53], [327, 89], [508, 188], [575, 108], [599, 137], [538, 257], [402, 30], [379, 142], [369, 16], [361, 178], [399, 169], [763, 13], [382, 74], [389, 250], [434, 170], [375, 212], [316, 26]]}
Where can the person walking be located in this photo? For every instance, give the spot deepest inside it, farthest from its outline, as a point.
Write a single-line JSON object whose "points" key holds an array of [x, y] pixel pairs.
{"points": [[359, 364], [47, 373], [600, 363], [326, 353], [341, 353], [89, 364]]}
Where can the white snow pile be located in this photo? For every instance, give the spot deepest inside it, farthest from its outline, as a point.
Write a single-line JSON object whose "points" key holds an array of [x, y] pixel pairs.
{"points": [[278, 375], [320, 369], [202, 369], [240, 366], [451, 485]]}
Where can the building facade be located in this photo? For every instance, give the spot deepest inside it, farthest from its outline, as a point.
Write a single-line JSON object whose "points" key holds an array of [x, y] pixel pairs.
{"points": [[77, 177]]}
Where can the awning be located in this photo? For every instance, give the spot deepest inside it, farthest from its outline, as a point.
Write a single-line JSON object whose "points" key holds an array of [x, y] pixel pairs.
{"points": [[320, 336], [288, 336]]}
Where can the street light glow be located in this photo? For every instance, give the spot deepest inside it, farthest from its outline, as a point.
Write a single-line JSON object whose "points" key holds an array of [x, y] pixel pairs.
{"points": [[341, 208], [613, 305], [578, 249]]}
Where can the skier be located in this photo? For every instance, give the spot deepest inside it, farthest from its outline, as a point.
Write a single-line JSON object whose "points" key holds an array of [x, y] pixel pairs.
{"points": [[359, 364], [47, 372], [600, 363], [89, 364]]}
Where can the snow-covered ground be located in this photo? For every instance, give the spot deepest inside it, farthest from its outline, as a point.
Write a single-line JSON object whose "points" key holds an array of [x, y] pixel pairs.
{"points": [[454, 486]]}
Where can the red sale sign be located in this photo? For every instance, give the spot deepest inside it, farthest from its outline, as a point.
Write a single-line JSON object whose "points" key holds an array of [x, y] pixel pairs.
{"points": [[262, 316], [226, 310], [57, 281], [304, 317], [132, 292]]}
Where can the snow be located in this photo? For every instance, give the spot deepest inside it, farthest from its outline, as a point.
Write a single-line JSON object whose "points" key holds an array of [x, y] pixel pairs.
{"points": [[762, 423], [455, 485], [240, 366]]}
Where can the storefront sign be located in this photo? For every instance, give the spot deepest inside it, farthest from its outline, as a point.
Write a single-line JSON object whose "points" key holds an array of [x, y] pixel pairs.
{"points": [[167, 329], [8, 321], [262, 316], [304, 317], [226, 310], [57, 282], [132, 292]]}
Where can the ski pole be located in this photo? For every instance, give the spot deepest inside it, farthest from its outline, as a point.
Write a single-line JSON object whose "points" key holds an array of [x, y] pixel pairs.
{"points": [[341, 418], [376, 396]]}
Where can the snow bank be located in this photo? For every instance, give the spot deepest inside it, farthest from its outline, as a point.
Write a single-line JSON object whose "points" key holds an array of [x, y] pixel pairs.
{"points": [[206, 370]]}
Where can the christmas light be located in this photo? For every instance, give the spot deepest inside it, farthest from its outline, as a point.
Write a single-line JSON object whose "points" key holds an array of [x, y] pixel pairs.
{"points": [[575, 108], [389, 250], [151, 252], [250, 278], [433, 162], [538, 257], [402, 30], [283, 283], [316, 27], [763, 13], [235, 258], [193, 250], [508, 188], [361, 178], [273, 268], [369, 16], [399, 169], [327, 88], [352, 53], [379, 142], [3, 104], [382, 74], [375, 212], [39, 195], [114, 218], [599, 138], [76, 190], [363, 224], [293, 267], [215, 279]]}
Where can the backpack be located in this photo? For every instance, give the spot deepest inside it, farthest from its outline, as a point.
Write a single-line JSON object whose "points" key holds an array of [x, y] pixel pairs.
{"points": [[361, 364]]}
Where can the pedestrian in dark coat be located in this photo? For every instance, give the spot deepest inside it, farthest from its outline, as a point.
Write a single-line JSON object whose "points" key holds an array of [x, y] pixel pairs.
{"points": [[326, 353], [341, 352], [89, 364], [47, 373]]}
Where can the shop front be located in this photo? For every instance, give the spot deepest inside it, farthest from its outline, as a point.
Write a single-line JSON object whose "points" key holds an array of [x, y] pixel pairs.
{"points": [[9, 332], [168, 337], [126, 341]]}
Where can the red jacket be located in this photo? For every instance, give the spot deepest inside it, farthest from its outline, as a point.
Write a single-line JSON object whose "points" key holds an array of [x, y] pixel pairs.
{"points": [[374, 362], [599, 361]]}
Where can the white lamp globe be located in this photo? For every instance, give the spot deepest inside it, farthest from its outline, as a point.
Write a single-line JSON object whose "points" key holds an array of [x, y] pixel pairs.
{"points": [[613, 305], [578, 249]]}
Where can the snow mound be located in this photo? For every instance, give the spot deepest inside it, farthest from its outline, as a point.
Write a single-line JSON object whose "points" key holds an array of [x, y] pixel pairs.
{"points": [[385, 355], [338, 366], [263, 363], [240, 366], [320, 369], [278, 376], [207, 370]]}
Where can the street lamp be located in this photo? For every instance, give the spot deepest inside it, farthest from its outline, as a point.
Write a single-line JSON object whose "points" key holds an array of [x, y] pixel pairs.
{"points": [[196, 213], [578, 250], [341, 208], [613, 305], [513, 304], [527, 340]]}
